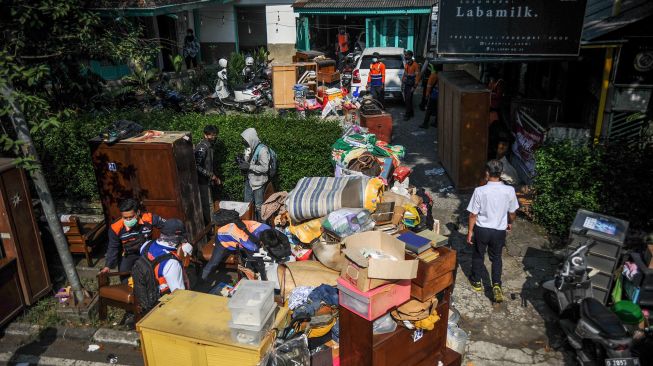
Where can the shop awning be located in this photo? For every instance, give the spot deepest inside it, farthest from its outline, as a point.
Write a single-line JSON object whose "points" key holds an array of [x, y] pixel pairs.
{"points": [[599, 21], [150, 8], [363, 7]]}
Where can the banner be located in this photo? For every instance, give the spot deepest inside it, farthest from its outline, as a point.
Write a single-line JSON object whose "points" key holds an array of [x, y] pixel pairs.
{"points": [[510, 27]]}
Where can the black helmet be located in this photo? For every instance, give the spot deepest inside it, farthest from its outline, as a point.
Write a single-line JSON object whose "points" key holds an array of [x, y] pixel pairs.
{"points": [[376, 54]]}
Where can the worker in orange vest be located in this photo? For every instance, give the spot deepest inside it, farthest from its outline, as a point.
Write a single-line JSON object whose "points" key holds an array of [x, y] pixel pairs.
{"points": [[376, 78], [409, 82], [342, 44]]}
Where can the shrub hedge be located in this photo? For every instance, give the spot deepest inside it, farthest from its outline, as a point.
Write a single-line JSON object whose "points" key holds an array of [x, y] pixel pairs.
{"points": [[614, 180], [303, 147]]}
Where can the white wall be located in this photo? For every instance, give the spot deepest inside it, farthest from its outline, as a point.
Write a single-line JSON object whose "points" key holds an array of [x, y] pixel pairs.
{"points": [[214, 29], [280, 21]]}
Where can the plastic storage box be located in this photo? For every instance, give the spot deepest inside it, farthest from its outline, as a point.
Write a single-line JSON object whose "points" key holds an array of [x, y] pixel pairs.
{"points": [[252, 302], [374, 303], [248, 334]]}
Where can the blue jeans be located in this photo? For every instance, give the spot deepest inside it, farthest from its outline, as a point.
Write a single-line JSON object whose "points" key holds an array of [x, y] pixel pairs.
{"points": [[256, 196]]}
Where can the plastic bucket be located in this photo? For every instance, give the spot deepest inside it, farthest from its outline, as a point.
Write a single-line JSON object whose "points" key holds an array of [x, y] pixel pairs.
{"points": [[456, 339]]}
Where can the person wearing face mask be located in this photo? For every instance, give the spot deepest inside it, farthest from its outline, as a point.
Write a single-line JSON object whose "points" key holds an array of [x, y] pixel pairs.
{"points": [[409, 81], [206, 177], [342, 44], [127, 234], [376, 78], [191, 49], [169, 273]]}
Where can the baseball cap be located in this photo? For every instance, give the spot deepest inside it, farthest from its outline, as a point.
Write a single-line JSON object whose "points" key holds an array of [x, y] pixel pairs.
{"points": [[173, 227]]}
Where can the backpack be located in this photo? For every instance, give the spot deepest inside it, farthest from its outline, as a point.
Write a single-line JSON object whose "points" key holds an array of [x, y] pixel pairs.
{"points": [[146, 287], [276, 244], [274, 162]]}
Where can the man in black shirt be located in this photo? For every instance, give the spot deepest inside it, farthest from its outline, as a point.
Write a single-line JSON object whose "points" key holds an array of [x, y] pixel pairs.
{"points": [[206, 176]]}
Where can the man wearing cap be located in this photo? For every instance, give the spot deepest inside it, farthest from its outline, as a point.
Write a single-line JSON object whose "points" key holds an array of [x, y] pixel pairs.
{"points": [[376, 78], [169, 273], [491, 214]]}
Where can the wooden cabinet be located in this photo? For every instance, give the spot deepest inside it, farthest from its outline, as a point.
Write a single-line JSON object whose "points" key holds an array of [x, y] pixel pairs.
{"points": [[21, 238], [10, 291], [160, 173], [284, 78], [378, 124], [463, 114]]}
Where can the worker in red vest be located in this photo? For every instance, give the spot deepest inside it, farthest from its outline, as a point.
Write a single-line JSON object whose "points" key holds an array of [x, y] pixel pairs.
{"points": [[376, 78], [128, 234], [409, 82], [342, 44]]}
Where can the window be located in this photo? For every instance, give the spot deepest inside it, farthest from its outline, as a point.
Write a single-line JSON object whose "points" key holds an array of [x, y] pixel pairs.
{"points": [[390, 61], [390, 32]]}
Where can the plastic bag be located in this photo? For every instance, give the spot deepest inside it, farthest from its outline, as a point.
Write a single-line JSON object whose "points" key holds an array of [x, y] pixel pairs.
{"points": [[290, 353], [347, 221], [384, 324]]}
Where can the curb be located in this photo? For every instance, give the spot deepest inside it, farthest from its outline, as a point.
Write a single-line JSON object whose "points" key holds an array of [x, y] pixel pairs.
{"points": [[102, 335]]}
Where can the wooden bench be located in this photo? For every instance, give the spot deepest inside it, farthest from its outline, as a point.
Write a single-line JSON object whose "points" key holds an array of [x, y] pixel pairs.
{"points": [[82, 237]]}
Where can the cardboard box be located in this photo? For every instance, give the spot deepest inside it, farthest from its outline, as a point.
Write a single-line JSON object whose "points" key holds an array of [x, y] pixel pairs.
{"points": [[366, 273], [446, 262]]}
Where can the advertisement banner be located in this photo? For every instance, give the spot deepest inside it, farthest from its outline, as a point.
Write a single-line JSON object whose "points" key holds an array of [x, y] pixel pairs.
{"points": [[510, 27]]}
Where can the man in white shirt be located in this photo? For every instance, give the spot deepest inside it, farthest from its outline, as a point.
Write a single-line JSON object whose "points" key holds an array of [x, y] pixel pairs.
{"points": [[169, 273], [491, 214]]}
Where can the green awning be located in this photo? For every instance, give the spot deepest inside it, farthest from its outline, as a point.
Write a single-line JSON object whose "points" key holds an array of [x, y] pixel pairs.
{"points": [[152, 11], [348, 11]]}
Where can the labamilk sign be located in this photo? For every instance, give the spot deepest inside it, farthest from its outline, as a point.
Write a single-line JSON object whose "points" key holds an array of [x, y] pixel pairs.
{"points": [[510, 27]]}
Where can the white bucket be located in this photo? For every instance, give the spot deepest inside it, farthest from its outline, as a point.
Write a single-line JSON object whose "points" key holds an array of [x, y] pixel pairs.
{"points": [[456, 339]]}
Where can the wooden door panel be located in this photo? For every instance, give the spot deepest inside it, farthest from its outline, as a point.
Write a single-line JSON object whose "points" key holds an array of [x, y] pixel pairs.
{"points": [[154, 173], [27, 238], [12, 299]]}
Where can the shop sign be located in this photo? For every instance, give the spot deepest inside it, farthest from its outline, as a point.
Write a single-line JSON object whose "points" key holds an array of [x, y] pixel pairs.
{"points": [[510, 27]]}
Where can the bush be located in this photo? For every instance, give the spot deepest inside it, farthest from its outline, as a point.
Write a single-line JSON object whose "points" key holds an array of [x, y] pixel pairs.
{"points": [[67, 160], [566, 181]]}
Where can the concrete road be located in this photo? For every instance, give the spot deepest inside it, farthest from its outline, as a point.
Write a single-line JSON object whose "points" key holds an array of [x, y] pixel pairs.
{"points": [[46, 349]]}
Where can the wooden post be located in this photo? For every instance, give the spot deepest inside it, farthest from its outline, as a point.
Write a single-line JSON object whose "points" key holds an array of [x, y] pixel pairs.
{"points": [[605, 85]]}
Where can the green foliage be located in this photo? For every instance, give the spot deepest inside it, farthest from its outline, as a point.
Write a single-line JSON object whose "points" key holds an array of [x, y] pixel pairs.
{"points": [[568, 178], [66, 155], [235, 66], [141, 77], [177, 63]]}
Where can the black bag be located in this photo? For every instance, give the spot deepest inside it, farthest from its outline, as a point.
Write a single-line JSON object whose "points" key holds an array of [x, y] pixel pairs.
{"points": [[276, 244], [146, 287], [121, 130]]}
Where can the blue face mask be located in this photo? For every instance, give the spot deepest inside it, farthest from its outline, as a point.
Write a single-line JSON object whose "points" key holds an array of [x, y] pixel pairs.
{"points": [[375, 60]]}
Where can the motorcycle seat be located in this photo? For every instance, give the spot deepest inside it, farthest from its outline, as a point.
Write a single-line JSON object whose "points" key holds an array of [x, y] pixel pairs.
{"points": [[243, 87], [600, 317]]}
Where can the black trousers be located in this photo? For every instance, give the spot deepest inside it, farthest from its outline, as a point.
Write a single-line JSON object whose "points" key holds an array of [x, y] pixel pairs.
{"points": [[431, 109], [378, 94], [408, 99], [219, 253], [191, 60], [493, 241], [207, 196]]}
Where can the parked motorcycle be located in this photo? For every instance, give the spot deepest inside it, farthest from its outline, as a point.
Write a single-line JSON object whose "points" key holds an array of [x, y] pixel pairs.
{"points": [[245, 98], [596, 333]]}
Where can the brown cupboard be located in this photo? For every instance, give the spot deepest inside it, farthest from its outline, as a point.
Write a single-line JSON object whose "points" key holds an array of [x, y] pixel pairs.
{"points": [[21, 238], [159, 172], [463, 115], [10, 292]]}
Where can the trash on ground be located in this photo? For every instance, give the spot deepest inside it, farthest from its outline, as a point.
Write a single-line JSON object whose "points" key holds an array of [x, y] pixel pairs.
{"points": [[92, 348], [434, 171], [112, 359], [446, 189]]}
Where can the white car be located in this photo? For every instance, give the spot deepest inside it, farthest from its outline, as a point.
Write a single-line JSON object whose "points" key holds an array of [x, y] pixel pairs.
{"points": [[393, 58]]}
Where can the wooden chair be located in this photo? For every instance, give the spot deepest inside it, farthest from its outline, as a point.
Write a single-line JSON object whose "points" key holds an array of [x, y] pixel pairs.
{"points": [[82, 237], [119, 295]]}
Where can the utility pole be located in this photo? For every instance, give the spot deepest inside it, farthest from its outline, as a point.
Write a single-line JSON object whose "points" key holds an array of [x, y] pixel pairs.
{"points": [[28, 150]]}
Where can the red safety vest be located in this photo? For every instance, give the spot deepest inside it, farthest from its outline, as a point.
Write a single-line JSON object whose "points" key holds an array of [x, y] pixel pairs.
{"points": [[131, 239], [343, 42]]}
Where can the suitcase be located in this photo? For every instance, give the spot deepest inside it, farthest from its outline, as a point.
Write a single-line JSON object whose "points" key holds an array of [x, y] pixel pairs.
{"points": [[380, 125]]}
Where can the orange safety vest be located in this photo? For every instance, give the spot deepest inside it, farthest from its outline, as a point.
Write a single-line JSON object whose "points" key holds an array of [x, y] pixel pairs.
{"points": [[343, 42], [377, 74], [155, 251], [132, 240]]}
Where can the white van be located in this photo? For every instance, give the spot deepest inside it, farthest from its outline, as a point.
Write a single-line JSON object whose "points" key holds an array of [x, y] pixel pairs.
{"points": [[393, 58]]}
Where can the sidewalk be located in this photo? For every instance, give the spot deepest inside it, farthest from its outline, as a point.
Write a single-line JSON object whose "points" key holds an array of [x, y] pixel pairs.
{"points": [[520, 331]]}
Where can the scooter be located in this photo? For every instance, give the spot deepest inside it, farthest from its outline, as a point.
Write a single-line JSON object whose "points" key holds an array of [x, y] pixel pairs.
{"points": [[245, 98], [596, 333]]}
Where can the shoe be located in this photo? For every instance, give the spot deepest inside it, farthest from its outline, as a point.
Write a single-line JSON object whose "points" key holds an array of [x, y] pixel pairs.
{"points": [[476, 286], [498, 293]]}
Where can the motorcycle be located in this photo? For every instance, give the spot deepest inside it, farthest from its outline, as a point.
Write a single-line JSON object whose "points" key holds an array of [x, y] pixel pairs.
{"points": [[596, 333], [245, 98]]}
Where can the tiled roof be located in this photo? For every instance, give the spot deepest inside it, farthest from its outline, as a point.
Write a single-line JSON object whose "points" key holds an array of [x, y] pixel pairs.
{"points": [[599, 20], [363, 4], [137, 4]]}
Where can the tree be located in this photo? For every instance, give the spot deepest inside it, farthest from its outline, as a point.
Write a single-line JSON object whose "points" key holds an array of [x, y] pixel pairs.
{"points": [[45, 46]]}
